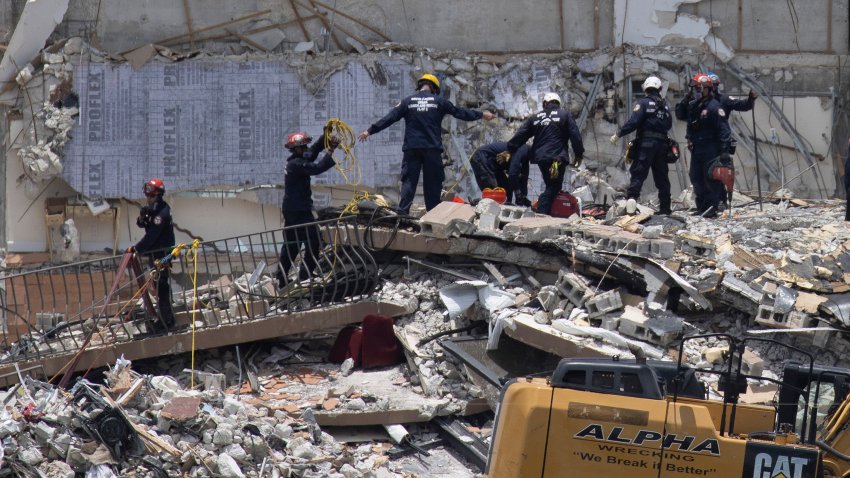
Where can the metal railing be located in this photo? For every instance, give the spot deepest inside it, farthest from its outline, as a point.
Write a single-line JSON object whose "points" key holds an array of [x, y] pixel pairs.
{"points": [[228, 281]]}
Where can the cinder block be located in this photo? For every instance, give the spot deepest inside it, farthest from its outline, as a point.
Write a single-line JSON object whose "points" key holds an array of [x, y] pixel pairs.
{"points": [[603, 303], [797, 319], [573, 286], [697, 246], [548, 297], [820, 339], [488, 222], [446, 220], [535, 229], [252, 308], [48, 320], [751, 364], [658, 330], [662, 248], [511, 213], [767, 315], [606, 321]]}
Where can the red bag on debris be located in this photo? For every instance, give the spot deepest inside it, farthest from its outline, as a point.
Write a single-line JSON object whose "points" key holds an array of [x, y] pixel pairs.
{"points": [[347, 345], [381, 347], [564, 205]]}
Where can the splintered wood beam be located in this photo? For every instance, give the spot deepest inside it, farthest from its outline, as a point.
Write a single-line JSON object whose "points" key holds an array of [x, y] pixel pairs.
{"points": [[300, 21]]}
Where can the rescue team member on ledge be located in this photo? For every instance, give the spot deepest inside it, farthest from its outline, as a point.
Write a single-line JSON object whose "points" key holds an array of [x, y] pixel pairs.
{"points": [[298, 203], [423, 114], [155, 218]]}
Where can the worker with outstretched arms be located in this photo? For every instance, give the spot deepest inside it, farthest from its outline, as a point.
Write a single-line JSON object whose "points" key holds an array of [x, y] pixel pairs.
{"points": [[423, 114]]}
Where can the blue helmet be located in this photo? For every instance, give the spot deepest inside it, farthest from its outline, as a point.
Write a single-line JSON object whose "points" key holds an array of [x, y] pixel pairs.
{"points": [[714, 78]]}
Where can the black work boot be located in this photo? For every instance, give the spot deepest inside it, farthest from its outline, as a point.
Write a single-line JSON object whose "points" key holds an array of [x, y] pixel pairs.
{"points": [[664, 208]]}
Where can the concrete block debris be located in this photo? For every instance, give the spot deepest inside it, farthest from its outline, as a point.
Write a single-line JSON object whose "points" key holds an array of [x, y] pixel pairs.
{"points": [[448, 219], [603, 303]]}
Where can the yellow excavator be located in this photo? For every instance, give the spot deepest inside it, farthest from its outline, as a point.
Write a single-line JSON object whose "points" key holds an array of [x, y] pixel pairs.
{"points": [[636, 418]]}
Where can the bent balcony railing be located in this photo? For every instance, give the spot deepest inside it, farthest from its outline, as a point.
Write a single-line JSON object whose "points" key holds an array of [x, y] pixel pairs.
{"points": [[228, 281]]}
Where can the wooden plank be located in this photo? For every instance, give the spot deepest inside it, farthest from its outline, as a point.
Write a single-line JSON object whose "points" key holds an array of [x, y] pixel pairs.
{"points": [[189, 23], [166, 41], [247, 40], [300, 21], [355, 20]]}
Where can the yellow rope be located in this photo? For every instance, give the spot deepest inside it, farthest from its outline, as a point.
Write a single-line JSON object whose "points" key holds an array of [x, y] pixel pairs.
{"points": [[194, 258], [348, 165]]}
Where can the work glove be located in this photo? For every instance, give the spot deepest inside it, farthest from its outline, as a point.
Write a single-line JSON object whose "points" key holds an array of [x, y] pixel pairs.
{"points": [[577, 160], [503, 158], [614, 138], [733, 146], [555, 168], [334, 142], [753, 95]]}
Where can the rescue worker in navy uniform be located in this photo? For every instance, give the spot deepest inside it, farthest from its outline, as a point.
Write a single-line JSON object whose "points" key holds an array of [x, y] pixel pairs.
{"points": [[423, 114], [711, 139], [728, 103], [553, 129], [652, 119], [492, 169], [158, 241], [297, 206]]}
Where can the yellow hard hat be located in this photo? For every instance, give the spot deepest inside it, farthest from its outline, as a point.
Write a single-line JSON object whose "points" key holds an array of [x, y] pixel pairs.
{"points": [[429, 77]]}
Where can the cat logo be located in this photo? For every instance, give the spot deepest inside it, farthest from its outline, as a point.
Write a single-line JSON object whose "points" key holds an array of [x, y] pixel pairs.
{"points": [[768, 465]]}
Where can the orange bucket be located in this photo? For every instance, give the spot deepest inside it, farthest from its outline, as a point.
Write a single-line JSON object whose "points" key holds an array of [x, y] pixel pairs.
{"points": [[458, 199], [497, 194]]}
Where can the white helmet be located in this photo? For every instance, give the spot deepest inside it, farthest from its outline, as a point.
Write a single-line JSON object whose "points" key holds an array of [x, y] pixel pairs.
{"points": [[550, 96], [652, 82]]}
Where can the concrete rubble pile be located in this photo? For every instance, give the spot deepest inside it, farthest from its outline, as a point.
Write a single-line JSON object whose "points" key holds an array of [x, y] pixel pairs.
{"points": [[785, 267], [161, 425]]}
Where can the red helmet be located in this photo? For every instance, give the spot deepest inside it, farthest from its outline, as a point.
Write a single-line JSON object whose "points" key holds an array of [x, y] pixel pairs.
{"points": [[297, 139], [704, 81], [695, 80], [154, 187]]}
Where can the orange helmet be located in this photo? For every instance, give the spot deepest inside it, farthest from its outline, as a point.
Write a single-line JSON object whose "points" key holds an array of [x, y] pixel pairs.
{"points": [[297, 139], [154, 187]]}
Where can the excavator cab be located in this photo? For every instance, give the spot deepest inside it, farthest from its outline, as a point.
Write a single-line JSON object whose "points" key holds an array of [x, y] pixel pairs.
{"points": [[601, 417]]}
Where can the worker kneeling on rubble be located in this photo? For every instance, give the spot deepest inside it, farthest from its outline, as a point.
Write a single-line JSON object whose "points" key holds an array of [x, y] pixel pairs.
{"points": [[711, 138], [156, 220], [553, 129], [298, 203], [652, 119], [494, 169], [423, 114]]}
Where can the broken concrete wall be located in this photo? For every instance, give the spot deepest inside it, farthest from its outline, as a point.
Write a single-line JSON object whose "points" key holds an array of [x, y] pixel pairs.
{"points": [[512, 87], [759, 25]]}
